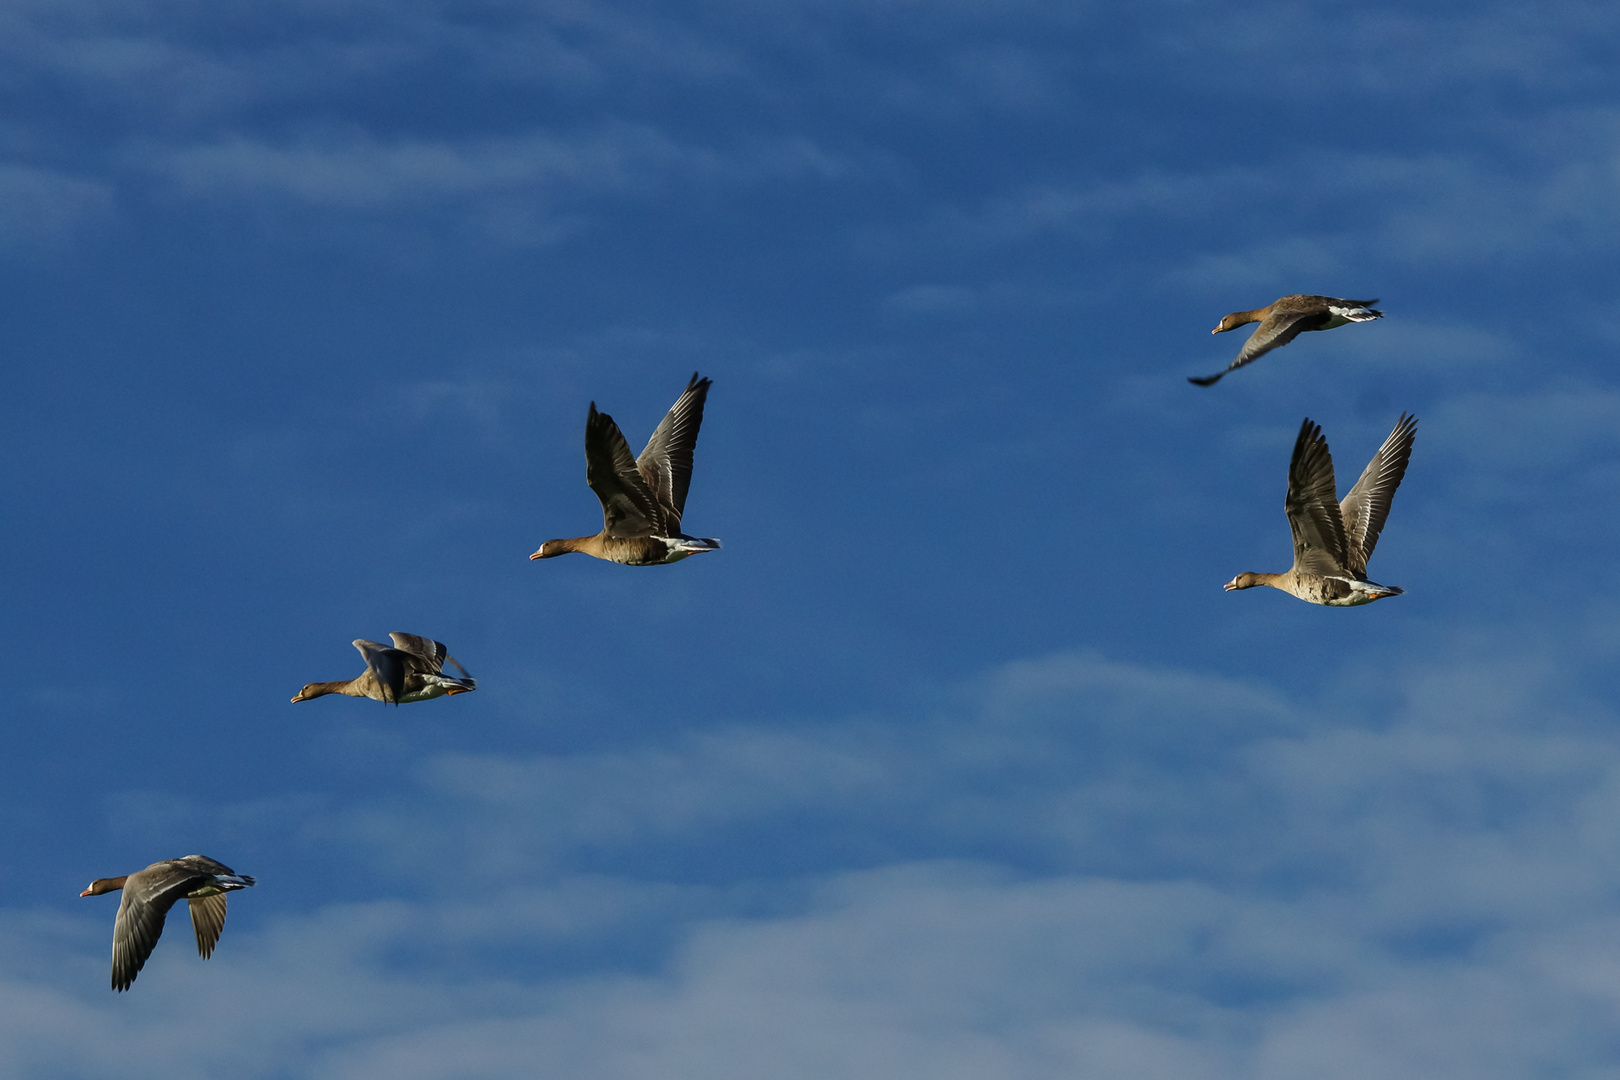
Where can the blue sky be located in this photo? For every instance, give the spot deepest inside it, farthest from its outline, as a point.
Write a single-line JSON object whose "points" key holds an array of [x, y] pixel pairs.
{"points": [[957, 761]]}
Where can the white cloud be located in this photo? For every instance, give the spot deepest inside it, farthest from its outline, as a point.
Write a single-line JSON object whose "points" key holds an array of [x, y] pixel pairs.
{"points": [[924, 970], [1216, 882]]}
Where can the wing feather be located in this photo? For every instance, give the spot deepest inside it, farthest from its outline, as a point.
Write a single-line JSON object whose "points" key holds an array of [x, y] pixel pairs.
{"points": [[1277, 330], [148, 896], [1366, 506], [666, 463], [207, 921], [426, 654], [628, 507], [1312, 506]]}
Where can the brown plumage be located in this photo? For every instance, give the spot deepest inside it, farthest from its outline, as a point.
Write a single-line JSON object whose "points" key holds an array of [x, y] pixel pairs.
{"points": [[1283, 321], [643, 497], [410, 671], [1333, 540], [148, 896]]}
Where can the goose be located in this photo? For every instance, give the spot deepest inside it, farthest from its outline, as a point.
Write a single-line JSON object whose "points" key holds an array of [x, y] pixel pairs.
{"points": [[1334, 540], [642, 498], [148, 896], [410, 671], [1284, 320]]}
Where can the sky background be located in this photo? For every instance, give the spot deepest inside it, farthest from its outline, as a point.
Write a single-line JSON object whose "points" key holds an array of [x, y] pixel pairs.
{"points": [[956, 763]]}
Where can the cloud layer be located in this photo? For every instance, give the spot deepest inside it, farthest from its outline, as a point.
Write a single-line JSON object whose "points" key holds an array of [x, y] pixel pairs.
{"points": [[1193, 877]]}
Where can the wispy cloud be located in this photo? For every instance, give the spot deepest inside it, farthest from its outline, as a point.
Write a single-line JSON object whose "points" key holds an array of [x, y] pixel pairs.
{"points": [[1557, 428], [360, 171], [41, 207], [1533, 189]]}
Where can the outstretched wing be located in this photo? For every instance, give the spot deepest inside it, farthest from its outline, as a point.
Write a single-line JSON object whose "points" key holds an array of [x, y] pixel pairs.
{"points": [[1366, 506], [148, 896], [426, 655], [207, 921], [628, 508], [387, 666], [666, 463], [1278, 329], [1312, 508]]}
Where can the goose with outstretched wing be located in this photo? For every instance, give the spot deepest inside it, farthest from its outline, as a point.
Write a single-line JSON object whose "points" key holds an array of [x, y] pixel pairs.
{"points": [[643, 498], [149, 894], [1332, 539], [1285, 319]]}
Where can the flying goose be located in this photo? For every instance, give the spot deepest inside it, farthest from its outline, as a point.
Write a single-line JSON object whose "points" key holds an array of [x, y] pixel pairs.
{"points": [[1334, 540], [642, 498], [148, 896], [411, 671], [1286, 319]]}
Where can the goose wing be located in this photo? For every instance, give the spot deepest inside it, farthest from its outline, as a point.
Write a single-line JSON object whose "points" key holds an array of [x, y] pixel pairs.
{"points": [[1278, 329], [628, 507], [388, 666], [148, 896], [425, 654], [1312, 506], [207, 921], [1366, 506], [666, 463], [1289, 317]]}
